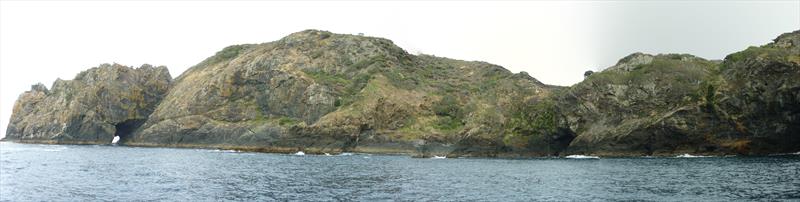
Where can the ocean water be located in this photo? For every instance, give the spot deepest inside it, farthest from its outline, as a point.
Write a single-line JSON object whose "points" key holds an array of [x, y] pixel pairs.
{"points": [[30, 172]]}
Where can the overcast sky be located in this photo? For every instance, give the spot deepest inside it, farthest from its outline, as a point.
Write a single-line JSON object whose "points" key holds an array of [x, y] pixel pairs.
{"points": [[554, 42]]}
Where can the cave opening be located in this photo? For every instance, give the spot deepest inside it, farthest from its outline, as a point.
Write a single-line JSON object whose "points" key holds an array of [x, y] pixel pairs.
{"points": [[125, 129]]}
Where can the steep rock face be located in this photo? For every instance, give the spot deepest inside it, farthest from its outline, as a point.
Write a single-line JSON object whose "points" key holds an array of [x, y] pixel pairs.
{"points": [[669, 104], [623, 110], [98, 104], [760, 93], [319, 91]]}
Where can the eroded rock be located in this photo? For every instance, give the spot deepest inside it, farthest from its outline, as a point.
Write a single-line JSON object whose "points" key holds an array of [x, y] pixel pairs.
{"points": [[98, 104]]}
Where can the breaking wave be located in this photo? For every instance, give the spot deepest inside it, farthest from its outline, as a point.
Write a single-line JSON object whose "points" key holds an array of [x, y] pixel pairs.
{"points": [[225, 151], [690, 156], [581, 157]]}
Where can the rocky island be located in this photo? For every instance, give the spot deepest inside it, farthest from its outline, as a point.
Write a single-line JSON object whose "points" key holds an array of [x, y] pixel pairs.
{"points": [[321, 92]]}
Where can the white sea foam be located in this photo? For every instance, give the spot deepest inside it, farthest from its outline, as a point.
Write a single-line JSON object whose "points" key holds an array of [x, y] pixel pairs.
{"points": [[581, 157], [225, 151], [439, 157], [346, 154], [54, 149], [690, 156], [300, 153], [328, 154]]}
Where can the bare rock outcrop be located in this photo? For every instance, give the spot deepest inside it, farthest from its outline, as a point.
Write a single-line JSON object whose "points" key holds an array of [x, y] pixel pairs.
{"points": [[98, 104]]}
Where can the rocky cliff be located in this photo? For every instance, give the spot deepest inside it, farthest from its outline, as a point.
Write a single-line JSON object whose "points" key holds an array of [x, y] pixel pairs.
{"points": [[758, 90], [643, 105], [668, 104], [324, 92], [100, 103], [318, 91]]}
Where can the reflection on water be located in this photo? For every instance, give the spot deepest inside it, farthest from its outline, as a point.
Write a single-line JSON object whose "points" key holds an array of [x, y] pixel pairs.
{"points": [[78, 173]]}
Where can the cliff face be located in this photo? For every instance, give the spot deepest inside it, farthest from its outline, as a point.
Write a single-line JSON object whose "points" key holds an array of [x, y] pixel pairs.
{"points": [[318, 91], [92, 108], [759, 92], [643, 105], [325, 92], [668, 104]]}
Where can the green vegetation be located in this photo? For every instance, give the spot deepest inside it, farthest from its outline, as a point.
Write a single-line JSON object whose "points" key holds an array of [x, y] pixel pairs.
{"points": [[336, 80], [260, 118], [379, 60], [662, 66], [531, 123], [752, 52], [284, 121], [491, 82], [347, 87], [350, 91], [447, 106], [226, 54], [317, 53], [398, 79], [763, 52], [450, 113], [540, 116], [448, 123], [671, 76], [709, 88], [709, 97]]}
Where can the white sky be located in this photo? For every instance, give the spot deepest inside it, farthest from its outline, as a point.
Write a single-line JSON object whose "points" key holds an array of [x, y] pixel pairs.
{"points": [[554, 42]]}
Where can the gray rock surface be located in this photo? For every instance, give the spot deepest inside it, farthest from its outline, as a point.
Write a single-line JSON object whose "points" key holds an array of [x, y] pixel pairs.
{"points": [[98, 104], [323, 92], [674, 104]]}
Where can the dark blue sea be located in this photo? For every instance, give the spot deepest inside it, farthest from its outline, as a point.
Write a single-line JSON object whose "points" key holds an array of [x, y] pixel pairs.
{"points": [[31, 172]]}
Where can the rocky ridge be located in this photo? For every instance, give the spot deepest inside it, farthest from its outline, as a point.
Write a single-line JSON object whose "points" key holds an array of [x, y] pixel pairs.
{"points": [[321, 92], [324, 92]]}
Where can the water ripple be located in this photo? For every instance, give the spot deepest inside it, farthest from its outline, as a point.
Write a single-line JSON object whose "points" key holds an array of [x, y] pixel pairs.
{"points": [[106, 173]]}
